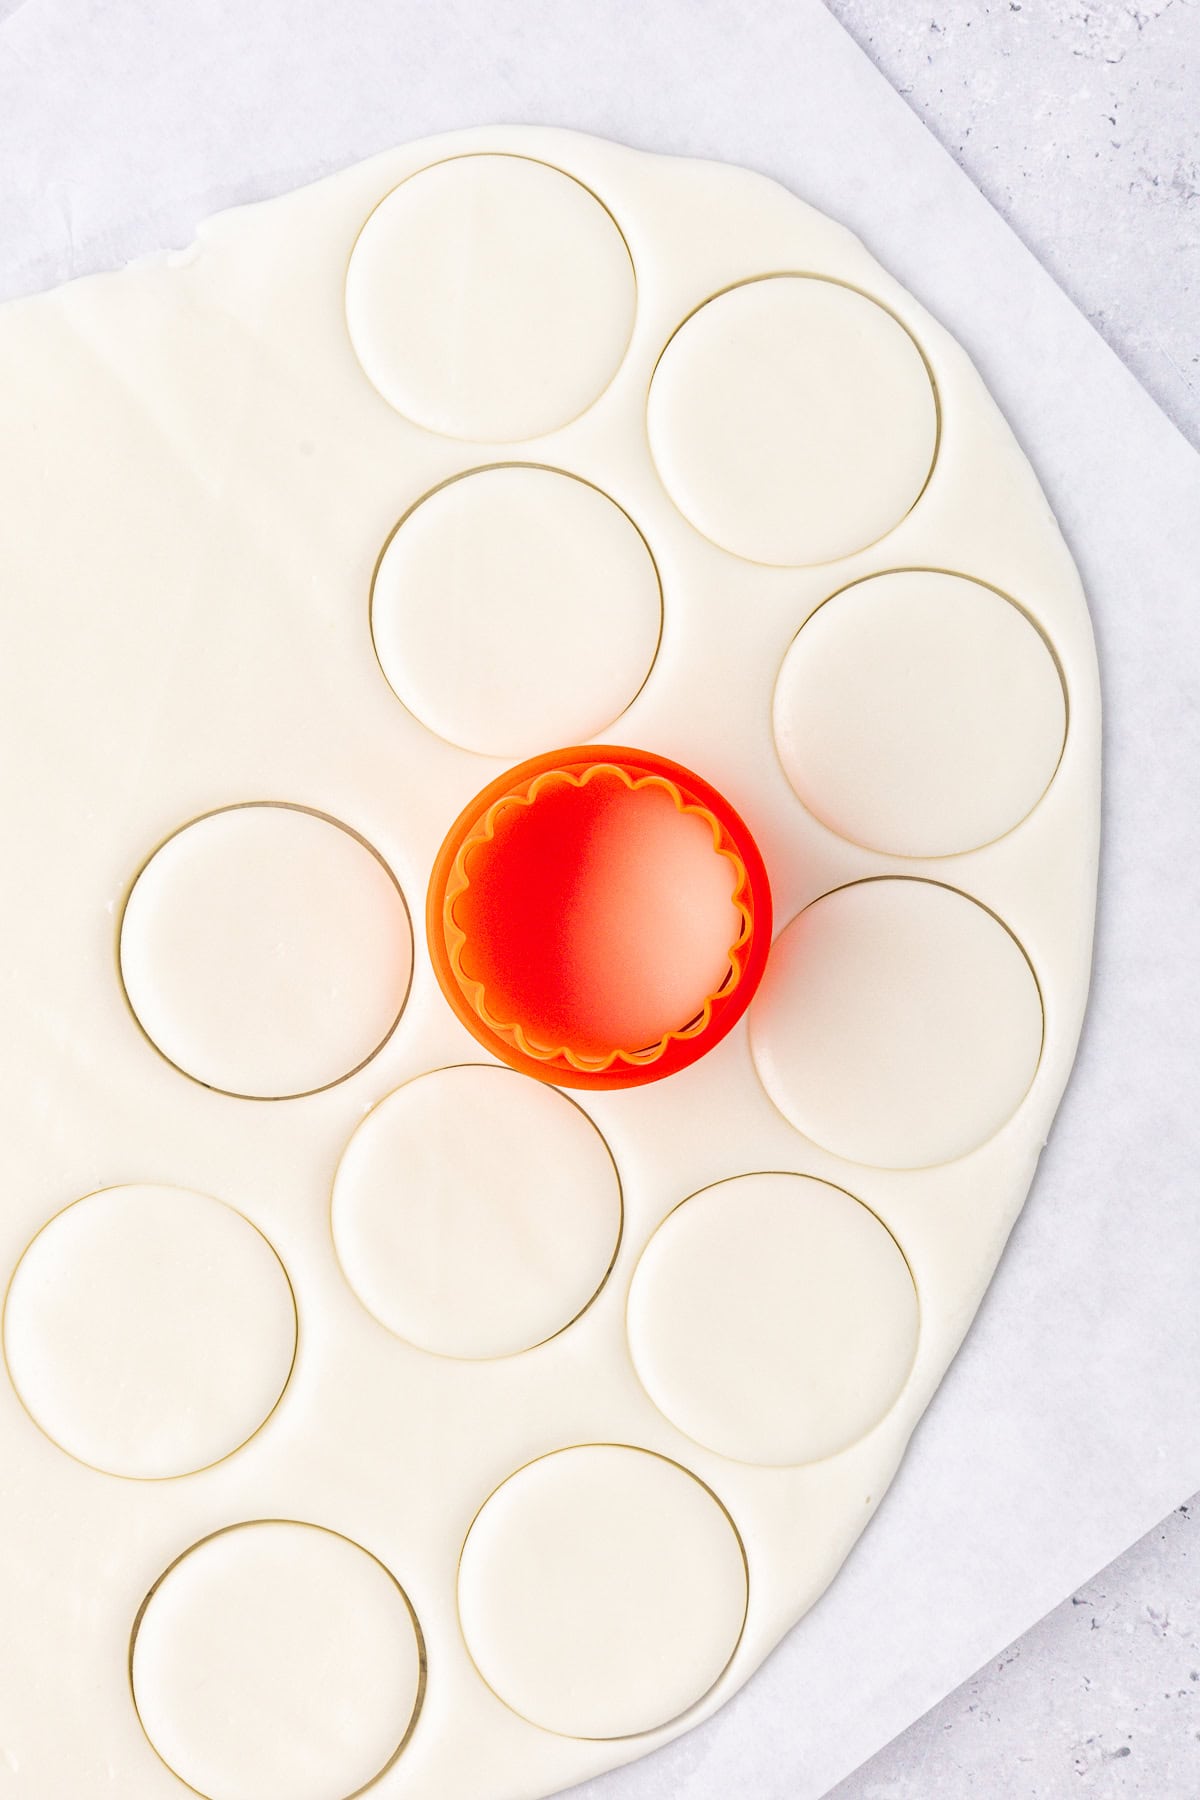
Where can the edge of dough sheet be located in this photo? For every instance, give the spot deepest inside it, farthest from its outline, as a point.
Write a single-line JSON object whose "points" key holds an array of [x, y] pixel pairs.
{"points": [[394, 1449]]}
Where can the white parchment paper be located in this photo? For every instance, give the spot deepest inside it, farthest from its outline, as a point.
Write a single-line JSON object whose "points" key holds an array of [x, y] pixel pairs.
{"points": [[1071, 1421]]}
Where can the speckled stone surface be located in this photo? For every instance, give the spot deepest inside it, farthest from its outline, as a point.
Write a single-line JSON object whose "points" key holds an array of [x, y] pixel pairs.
{"points": [[1101, 1698], [1078, 120]]}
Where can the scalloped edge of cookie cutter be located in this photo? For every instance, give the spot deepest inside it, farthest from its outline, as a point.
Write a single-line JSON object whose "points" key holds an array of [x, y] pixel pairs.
{"points": [[623, 1066]]}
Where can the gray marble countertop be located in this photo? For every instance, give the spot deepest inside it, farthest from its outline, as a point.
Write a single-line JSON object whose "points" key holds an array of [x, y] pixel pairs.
{"points": [[1101, 1698], [1081, 123]]}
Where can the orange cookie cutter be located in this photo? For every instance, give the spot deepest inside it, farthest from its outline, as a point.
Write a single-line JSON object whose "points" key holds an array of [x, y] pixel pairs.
{"points": [[583, 928]]}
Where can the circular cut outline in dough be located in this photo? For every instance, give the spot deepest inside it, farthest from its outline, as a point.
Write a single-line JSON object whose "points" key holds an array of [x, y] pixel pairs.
{"points": [[307, 1525], [523, 1350], [790, 1174], [672, 1462], [555, 169], [961, 894], [182, 1474], [1030, 620], [313, 812], [542, 468], [850, 287]]}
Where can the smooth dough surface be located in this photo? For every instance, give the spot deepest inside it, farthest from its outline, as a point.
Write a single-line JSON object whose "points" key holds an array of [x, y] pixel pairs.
{"points": [[920, 713], [602, 1591], [773, 1319], [792, 420], [316, 527], [277, 1661], [149, 1330], [266, 951], [516, 608], [490, 297], [899, 1023], [476, 1212]]}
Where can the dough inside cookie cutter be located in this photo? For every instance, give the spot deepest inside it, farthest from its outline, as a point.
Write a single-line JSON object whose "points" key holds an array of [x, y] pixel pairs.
{"points": [[599, 917]]}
